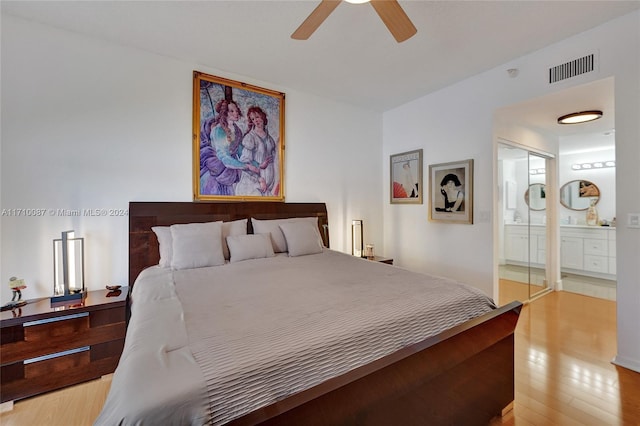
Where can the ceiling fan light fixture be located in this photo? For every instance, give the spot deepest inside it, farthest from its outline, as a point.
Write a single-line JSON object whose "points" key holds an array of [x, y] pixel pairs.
{"points": [[580, 117], [390, 11]]}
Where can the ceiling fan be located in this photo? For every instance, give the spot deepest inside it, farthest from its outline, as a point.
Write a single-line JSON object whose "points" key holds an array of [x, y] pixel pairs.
{"points": [[389, 11]]}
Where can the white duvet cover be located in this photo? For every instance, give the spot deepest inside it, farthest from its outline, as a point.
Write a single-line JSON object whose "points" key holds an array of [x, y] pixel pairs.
{"points": [[207, 345]]}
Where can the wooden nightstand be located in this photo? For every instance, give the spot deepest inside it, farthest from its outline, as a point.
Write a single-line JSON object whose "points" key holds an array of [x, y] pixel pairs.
{"points": [[43, 348], [387, 260]]}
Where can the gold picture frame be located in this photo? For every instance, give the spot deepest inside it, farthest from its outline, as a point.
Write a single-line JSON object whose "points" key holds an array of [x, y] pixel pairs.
{"points": [[238, 141], [451, 192]]}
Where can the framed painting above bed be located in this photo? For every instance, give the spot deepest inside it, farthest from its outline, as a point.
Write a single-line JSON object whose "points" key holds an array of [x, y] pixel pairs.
{"points": [[238, 141], [451, 192]]}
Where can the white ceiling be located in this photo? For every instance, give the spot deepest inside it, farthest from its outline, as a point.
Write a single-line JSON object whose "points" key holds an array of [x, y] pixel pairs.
{"points": [[542, 113], [352, 58]]}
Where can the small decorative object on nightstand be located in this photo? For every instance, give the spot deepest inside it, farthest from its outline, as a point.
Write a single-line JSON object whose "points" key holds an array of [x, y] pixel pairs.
{"points": [[17, 285], [46, 347], [369, 251]]}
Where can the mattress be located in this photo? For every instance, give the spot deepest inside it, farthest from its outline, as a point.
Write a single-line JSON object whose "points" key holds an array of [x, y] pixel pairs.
{"points": [[207, 345]]}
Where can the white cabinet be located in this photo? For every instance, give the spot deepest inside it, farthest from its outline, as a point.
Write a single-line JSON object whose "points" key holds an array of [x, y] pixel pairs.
{"points": [[571, 252], [542, 249], [596, 264], [524, 245], [517, 247], [588, 250], [584, 250], [612, 251], [596, 247]]}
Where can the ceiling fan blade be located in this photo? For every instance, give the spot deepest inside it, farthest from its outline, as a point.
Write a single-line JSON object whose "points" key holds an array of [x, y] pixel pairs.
{"points": [[313, 21], [395, 19]]}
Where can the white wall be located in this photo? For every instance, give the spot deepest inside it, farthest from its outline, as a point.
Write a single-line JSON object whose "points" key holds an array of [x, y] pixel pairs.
{"points": [[456, 123], [92, 125]]}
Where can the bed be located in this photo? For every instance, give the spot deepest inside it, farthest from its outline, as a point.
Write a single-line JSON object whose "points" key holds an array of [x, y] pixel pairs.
{"points": [[346, 341]]}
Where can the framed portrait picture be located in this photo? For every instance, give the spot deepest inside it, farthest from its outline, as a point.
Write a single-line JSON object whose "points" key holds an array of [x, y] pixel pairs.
{"points": [[451, 192], [238, 141], [406, 177]]}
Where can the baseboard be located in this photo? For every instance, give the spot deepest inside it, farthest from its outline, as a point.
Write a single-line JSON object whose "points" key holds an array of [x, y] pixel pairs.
{"points": [[558, 285], [627, 363]]}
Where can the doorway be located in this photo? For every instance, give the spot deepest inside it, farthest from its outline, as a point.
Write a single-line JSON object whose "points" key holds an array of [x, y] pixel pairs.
{"points": [[533, 124]]}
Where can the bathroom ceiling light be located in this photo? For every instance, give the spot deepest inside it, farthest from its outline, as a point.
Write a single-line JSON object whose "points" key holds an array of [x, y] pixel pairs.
{"points": [[595, 165], [580, 117]]}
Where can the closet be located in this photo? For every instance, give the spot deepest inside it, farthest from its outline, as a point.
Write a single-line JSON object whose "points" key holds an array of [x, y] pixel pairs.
{"points": [[522, 268]]}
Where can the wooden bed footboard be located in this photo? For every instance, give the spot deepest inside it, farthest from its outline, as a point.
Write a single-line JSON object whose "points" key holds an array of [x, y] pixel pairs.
{"points": [[463, 376]]}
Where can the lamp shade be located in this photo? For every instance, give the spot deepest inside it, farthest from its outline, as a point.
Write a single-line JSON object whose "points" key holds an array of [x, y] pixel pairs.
{"points": [[68, 268], [357, 240]]}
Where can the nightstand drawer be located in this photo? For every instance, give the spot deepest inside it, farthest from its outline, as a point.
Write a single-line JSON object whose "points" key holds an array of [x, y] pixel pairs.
{"points": [[62, 334], [45, 348]]}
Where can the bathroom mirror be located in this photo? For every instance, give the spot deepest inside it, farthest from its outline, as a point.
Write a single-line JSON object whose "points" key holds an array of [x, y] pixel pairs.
{"points": [[536, 196], [577, 194]]}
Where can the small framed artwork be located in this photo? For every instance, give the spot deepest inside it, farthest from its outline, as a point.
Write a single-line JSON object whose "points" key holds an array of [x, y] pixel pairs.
{"points": [[238, 141], [451, 192], [406, 177]]}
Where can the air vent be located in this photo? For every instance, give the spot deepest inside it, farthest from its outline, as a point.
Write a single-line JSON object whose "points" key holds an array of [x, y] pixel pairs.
{"points": [[572, 68]]}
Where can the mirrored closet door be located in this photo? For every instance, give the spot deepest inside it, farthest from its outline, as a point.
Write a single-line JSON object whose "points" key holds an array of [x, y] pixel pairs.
{"points": [[522, 269]]}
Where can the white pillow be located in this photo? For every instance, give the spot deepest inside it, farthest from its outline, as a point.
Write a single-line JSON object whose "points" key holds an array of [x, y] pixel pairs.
{"points": [[251, 246], [236, 227], [196, 245], [302, 238], [272, 227], [165, 243]]}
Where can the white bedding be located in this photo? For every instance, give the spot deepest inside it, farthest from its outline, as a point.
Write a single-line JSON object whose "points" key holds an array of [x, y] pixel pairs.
{"points": [[208, 345]]}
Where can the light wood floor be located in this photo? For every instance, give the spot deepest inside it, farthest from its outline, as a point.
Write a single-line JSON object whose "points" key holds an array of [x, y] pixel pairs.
{"points": [[515, 290], [564, 345], [77, 405], [564, 376]]}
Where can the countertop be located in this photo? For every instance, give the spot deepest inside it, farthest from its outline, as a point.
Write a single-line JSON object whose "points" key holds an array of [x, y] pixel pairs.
{"points": [[563, 225]]}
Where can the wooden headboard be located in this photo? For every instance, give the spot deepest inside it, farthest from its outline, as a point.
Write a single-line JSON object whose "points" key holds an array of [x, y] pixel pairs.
{"points": [[143, 244]]}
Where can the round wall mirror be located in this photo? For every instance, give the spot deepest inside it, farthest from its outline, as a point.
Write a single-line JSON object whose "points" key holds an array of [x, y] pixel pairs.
{"points": [[577, 194], [536, 196]]}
